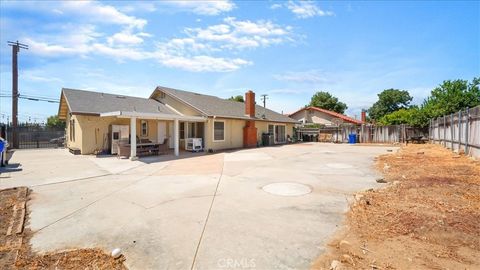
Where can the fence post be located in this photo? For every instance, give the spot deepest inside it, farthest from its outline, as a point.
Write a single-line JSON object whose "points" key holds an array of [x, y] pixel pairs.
{"points": [[466, 130], [459, 130], [451, 131]]}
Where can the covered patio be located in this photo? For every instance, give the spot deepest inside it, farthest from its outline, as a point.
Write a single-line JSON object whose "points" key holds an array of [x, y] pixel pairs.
{"points": [[172, 121]]}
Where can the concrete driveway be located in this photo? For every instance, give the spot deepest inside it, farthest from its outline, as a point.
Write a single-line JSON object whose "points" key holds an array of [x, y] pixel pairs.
{"points": [[156, 209]]}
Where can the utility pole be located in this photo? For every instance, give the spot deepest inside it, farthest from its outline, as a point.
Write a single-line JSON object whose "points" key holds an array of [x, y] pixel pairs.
{"points": [[16, 46], [264, 98]]}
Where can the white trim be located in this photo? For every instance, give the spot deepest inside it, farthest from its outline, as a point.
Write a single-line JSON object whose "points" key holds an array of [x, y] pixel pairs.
{"points": [[133, 138], [156, 116], [274, 134], [177, 98], [224, 130], [141, 128]]}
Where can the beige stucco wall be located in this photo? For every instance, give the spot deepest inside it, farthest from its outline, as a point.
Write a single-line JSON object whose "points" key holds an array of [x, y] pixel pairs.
{"points": [[262, 127], [77, 143], [92, 133], [234, 133], [177, 105]]}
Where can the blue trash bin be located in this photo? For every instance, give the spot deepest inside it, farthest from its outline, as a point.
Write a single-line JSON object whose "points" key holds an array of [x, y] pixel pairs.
{"points": [[352, 138]]}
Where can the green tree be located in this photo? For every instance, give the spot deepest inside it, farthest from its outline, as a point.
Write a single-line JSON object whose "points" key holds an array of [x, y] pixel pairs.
{"points": [[389, 100], [238, 98], [53, 121], [452, 96], [326, 101]]}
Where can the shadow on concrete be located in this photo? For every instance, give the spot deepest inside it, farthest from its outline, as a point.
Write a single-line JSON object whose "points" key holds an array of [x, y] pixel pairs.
{"points": [[11, 167]]}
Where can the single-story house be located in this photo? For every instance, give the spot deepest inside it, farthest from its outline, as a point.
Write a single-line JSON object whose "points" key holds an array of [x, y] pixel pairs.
{"points": [[315, 115], [171, 114]]}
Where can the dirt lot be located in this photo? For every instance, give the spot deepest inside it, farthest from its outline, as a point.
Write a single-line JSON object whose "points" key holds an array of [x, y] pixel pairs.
{"points": [[15, 252], [427, 216]]}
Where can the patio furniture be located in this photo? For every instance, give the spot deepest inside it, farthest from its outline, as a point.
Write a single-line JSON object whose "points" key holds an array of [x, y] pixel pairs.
{"points": [[163, 147], [143, 149], [123, 150]]}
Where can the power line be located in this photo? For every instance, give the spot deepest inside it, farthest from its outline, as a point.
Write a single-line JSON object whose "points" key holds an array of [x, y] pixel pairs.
{"points": [[33, 98]]}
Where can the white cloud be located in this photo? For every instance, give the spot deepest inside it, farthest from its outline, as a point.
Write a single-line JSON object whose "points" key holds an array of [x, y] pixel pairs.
{"points": [[304, 9], [73, 40], [198, 50], [119, 53], [203, 7], [203, 63], [125, 37], [98, 12], [309, 76], [275, 6], [235, 34]]}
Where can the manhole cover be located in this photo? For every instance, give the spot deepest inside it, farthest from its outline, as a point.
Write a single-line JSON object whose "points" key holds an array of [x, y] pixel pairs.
{"points": [[287, 189], [339, 165]]}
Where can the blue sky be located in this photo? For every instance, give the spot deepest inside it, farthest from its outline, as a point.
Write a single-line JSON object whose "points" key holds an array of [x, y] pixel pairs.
{"points": [[286, 49]]}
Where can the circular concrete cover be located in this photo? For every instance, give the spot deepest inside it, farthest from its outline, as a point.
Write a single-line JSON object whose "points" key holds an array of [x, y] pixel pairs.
{"points": [[339, 165], [287, 189]]}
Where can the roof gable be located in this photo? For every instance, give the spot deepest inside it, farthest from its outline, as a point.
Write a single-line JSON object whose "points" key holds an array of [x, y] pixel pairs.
{"points": [[88, 102], [332, 113], [215, 106]]}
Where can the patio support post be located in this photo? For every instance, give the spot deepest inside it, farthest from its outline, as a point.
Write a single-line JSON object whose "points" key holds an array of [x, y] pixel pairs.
{"points": [[176, 137], [133, 138]]}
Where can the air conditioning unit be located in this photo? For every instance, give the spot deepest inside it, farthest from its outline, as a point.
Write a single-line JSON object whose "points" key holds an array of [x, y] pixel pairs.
{"points": [[193, 144]]}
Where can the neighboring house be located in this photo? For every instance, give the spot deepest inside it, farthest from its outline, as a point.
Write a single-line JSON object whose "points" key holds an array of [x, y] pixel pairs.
{"points": [[168, 114], [314, 115]]}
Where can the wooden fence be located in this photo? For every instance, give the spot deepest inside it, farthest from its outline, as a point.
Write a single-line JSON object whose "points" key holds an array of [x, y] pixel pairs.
{"points": [[458, 131], [365, 133]]}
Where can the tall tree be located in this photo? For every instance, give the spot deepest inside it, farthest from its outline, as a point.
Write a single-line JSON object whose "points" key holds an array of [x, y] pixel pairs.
{"points": [[326, 101], [389, 100], [452, 96], [238, 98], [53, 121]]}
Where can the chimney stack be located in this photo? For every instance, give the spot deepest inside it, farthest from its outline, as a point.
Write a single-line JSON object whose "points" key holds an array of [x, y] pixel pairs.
{"points": [[364, 116], [249, 130], [250, 103]]}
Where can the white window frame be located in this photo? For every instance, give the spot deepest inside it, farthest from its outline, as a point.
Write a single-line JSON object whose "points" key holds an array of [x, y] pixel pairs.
{"points": [[275, 134], [146, 128], [224, 130]]}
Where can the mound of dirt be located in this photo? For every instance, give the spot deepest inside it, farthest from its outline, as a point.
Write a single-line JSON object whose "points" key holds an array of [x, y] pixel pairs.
{"points": [[427, 216]]}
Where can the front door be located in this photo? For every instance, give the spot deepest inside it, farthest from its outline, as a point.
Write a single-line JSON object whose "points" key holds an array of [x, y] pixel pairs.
{"points": [[162, 131]]}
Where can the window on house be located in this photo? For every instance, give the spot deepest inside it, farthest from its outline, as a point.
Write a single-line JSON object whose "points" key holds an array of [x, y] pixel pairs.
{"points": [[218, 131], [72, 130], [182, 130], [280, 134], [270, 129], [144, 125]]}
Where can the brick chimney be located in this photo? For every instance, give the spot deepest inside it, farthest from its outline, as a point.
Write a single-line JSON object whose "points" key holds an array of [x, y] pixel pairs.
{"points": [[250, 103], [364, 116], [250, 131]]}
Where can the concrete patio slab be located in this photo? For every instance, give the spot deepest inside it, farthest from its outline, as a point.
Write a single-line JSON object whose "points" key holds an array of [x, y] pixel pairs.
{"points": [[155, 209]]}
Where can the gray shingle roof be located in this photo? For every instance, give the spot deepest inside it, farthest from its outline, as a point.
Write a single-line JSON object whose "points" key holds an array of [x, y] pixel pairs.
{"points": [[81, 101], [215, 106]]}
